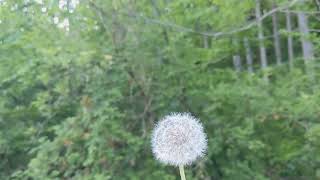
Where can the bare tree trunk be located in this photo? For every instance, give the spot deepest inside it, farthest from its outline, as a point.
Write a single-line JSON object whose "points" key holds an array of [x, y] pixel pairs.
{"points": [[206, 42], [236, 57], [307, 46], [237, 62], [207, 39], [290, 41], [248, 55], [263, 56], [277, 46]]}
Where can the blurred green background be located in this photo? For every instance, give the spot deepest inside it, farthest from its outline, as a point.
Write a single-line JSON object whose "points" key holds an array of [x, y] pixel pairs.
{"points": [[82, 84]]}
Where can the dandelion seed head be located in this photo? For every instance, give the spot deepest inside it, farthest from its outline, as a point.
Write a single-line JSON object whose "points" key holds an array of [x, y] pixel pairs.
{"points": [[178, 139]]}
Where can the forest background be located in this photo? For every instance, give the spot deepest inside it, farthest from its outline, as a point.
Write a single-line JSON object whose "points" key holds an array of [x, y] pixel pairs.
{"points": [[82, 84]]}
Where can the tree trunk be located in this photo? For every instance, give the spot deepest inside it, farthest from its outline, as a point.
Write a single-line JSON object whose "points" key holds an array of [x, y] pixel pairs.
{"points": [[248, 55], [237, 62], [307, 46], [263, 56], [236, 57], [277, 46], [205, 42], [290, 41]]}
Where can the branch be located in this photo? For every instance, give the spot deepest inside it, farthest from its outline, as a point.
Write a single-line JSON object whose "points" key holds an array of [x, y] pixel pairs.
{"points": [[213, 34], [305, 12], [209, 34]]}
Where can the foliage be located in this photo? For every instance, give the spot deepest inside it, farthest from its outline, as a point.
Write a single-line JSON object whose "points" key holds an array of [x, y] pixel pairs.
{"points": [[80, 101]]}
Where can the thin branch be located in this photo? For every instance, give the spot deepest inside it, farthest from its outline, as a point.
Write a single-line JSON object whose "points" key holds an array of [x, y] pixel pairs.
{"points": [[213, 34], [190, 30], [296, 12]]}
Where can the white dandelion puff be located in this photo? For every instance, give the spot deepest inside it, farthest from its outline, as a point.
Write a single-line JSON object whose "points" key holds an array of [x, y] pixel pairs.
{"points": [[178, 139]]}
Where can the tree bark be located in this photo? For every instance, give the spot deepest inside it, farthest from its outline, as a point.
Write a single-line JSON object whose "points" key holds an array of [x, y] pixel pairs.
{"points": [[263, 55], [277, 46], [290, 40], [237, 62], [236, 57], [307, 46], [248, 55], [206, 42]]}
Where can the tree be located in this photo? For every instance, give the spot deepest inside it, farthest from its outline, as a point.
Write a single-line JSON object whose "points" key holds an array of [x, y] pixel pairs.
{"points": [[277, 46], [263, 55], [82, 85]]}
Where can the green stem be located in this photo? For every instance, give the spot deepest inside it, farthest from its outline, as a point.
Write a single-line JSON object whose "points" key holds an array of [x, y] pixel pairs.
{"points": [[183, 176]]}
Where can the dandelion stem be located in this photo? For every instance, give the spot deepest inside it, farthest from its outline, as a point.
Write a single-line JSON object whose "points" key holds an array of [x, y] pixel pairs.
{"points": [[183, 176]]}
